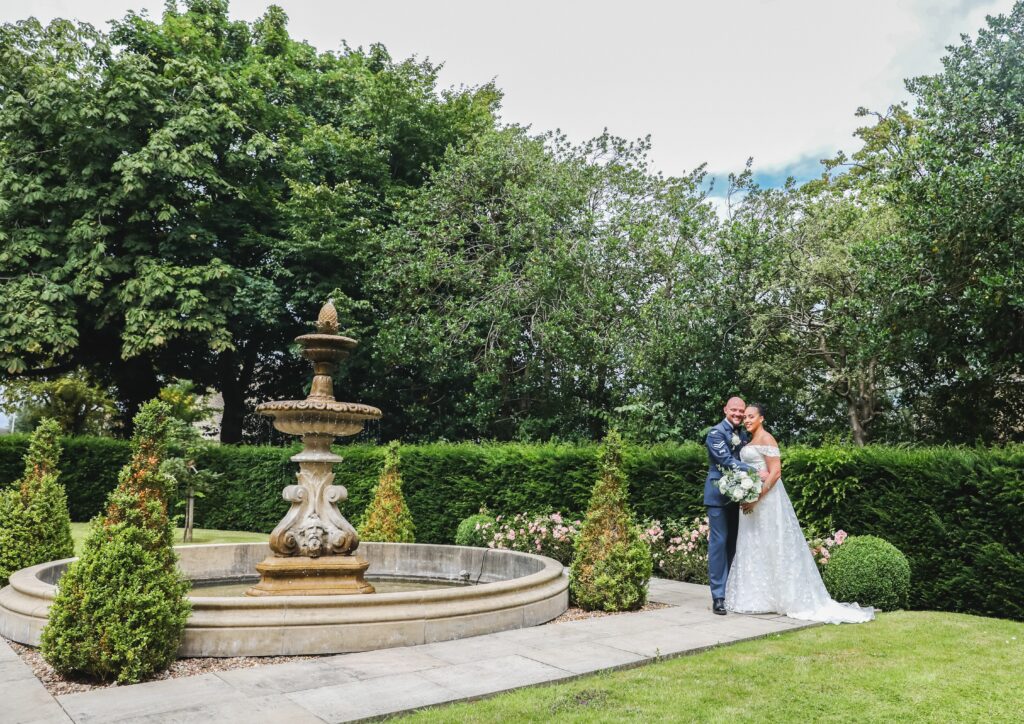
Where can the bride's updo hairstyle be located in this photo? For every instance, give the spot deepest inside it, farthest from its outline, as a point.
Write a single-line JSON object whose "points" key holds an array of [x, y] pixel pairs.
{"points": [[759, 406]]}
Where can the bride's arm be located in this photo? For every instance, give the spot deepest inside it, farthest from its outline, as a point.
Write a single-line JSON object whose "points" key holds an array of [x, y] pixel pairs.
{"points": [[774, 473], [774, 465]]}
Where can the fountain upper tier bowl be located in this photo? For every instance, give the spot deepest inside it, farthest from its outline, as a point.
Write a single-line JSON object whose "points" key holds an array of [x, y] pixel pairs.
{"points": [[318, 416]]}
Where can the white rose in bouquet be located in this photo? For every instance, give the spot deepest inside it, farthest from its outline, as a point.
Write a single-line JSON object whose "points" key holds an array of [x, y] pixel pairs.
{"points": [[739, 486]]}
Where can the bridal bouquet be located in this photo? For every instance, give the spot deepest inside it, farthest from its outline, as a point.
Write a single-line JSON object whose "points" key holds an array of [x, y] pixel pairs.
{"points": [[739, 486]]}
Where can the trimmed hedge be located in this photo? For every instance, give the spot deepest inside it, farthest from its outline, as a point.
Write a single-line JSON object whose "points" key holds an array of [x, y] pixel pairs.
{"points": [[89, 468], [955, 512]]}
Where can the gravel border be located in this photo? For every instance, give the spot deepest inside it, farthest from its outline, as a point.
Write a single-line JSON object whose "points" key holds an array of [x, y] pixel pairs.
{"points": [[58, 685]]}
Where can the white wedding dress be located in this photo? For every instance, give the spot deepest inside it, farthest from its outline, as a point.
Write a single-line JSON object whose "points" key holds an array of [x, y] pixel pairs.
{"points": [[774, 571]]}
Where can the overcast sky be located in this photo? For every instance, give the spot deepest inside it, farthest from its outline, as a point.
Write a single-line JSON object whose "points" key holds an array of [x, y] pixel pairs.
{"points": [[712, 82]]}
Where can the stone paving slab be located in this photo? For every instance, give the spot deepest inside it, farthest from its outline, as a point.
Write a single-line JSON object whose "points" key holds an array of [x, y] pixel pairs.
{"points": [[350, 687], [373, 697], [23, 698], [489, 676]]}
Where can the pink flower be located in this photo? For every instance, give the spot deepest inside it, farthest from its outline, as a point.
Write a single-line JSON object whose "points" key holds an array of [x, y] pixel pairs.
{"points": [[556, 517], [840, 537], [511, 535]]}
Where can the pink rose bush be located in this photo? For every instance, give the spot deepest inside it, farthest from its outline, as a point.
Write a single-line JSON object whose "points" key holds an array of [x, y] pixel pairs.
{"points": [[822, 547], [679, 548], [550, 535]]}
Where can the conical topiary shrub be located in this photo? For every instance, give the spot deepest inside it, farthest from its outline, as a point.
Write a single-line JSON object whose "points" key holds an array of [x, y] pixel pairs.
{"points": [[34, 522], [611, 566], [387, 518], [120, 610]]}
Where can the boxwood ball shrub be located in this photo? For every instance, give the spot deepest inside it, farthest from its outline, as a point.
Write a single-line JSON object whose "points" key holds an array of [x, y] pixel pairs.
{"points": [[476, 530], [611, 566], [34, 522], [870, 571], [387, 519], [120, 610]]}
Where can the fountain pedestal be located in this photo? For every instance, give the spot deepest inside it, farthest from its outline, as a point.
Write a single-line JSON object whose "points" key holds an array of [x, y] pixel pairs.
{"points": [[313, 545], [305, 576]]}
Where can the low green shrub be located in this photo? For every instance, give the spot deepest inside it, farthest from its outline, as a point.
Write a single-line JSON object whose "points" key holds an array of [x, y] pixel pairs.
{"points": [[34, 522], [611, 565], [477, 530], [387, 518], [120, 610], [870, 571]]}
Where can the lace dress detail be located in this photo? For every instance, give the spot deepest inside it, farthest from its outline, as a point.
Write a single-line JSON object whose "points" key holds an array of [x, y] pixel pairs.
{"points": [[774, 571]]}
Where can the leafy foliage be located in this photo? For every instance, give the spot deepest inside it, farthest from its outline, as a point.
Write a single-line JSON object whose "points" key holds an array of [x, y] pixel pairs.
{"points": [[78, 405], [165, 184], [34, 522], [611, 565], [476, 530], [387, 518], [870, 571], [121, 608], [517, 285]]}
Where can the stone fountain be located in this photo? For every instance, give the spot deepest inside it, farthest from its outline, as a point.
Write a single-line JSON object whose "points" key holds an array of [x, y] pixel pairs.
{"points": [[314, 547], [300, 604]]}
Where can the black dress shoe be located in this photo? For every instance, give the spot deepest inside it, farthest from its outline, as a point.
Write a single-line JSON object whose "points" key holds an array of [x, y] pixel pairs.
{"points": [[719, 606]]}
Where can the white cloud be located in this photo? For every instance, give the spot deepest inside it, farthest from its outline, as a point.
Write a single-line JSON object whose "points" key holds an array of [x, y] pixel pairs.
{"points": [[712, 82]]}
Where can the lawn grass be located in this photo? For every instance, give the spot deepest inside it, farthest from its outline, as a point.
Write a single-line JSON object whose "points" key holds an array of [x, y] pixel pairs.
{"points": [[905, 666], [200, 535]]}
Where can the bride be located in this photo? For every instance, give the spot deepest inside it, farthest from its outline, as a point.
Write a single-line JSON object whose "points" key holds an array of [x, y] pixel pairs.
{"points": [[774, 571]]}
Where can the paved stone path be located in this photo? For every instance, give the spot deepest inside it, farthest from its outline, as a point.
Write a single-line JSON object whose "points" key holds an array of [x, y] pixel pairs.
{"points": [[376, 683]]}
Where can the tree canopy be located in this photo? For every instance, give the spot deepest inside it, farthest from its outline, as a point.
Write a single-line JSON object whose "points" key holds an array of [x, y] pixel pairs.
{"points": [[178, 196]]}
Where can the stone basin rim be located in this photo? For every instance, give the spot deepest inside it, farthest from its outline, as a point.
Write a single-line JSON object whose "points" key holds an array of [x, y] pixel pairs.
{"points": [[28, 579], [535, 591]]}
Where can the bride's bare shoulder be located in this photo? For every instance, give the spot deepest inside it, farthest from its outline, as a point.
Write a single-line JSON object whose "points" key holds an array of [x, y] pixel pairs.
{"points": [[767, 441]]}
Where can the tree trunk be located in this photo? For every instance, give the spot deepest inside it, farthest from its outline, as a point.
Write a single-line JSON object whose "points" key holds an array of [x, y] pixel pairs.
{"points": [[136, 384], [189, 512], [232, 389], [860, 435]]}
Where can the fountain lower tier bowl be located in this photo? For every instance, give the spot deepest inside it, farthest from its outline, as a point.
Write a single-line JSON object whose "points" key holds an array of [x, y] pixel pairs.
{"points": [[510, 590], [318, 416]]}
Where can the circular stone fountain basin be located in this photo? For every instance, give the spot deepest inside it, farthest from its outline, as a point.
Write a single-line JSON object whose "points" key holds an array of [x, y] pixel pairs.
{"points": [[489, 590]]}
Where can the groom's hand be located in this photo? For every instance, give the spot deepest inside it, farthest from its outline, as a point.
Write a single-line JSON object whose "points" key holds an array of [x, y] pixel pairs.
{"points": [[764, 474]]}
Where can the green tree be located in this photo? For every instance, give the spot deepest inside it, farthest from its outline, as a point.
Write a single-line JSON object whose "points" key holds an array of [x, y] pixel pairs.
{"points": [[176, 194], [831, 302], [516, 282], [121, 608], [34, 522], [949, 165], [79, 406]]}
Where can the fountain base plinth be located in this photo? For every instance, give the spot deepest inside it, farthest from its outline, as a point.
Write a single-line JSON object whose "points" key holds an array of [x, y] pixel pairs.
{"points": [[304, 576]]}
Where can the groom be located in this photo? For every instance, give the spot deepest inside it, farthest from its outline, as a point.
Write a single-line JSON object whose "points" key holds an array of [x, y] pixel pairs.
{"points": [[724, 442]]}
